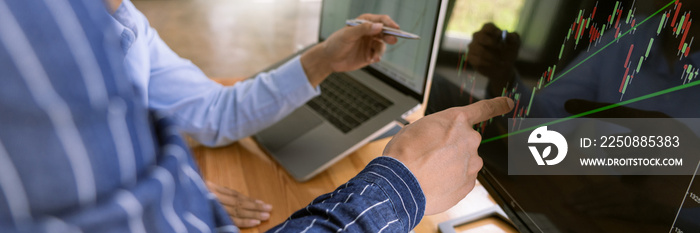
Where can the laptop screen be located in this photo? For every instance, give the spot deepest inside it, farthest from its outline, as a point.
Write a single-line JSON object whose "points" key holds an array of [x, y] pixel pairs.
{"points": [[407, 62]]}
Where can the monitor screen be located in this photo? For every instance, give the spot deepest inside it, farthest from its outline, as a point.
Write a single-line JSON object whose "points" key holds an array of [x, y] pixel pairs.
{"points": [[406, 62], [604, 60]]}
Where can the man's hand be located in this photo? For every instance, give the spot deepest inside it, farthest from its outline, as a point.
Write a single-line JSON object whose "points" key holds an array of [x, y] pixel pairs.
{"points": [[441, 151], [494, 57], [244, 211], [349, 48]]}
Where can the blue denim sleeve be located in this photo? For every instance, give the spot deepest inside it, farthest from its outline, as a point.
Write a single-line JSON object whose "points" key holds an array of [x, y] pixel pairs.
{"points": [[384, 197]]}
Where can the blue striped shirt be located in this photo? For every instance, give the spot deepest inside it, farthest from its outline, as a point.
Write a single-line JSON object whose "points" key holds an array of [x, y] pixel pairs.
{"points": [[80, 151]]}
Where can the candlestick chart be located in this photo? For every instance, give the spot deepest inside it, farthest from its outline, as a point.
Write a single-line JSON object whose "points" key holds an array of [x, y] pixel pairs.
{"points": [[600, 29]]}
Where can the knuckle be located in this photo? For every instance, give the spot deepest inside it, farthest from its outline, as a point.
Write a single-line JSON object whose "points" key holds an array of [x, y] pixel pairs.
{"points": [[476, 136], [473, 137], [478, 163], [457, 115]]}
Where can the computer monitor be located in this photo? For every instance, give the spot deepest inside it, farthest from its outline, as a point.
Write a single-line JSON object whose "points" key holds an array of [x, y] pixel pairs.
{"points": [[640, 56], [406, 62]]}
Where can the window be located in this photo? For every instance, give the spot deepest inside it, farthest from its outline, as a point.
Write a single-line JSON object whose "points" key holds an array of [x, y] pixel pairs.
{"points": [[468, 16]]}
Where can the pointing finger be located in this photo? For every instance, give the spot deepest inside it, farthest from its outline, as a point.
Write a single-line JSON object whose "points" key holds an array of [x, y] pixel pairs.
{"points": [[486, 109]]}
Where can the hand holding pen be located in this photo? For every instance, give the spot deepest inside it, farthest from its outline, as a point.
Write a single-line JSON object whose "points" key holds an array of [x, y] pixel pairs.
{"points": [[349, 48]]}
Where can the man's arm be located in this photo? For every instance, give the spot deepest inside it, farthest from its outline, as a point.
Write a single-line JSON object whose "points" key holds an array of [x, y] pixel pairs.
{"points": [[383, 197], [216, 115]]}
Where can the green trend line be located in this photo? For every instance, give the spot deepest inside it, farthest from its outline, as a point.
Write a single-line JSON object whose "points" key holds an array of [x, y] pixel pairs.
{"points": [[647, 96], [611, 42]]}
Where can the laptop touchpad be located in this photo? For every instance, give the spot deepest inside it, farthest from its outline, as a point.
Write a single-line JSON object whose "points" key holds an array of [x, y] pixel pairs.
{"points": [[291, 127]]}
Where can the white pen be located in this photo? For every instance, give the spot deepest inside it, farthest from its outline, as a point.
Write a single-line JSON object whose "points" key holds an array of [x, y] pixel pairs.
{"points": [[385, 30]]}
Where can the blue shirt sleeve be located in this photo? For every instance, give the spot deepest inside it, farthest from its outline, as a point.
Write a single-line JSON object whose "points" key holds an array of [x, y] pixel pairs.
{"points": [[384, 197], [212, 114]]}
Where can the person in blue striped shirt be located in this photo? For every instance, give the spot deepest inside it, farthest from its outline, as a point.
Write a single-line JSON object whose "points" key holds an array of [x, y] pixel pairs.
{"points": [[80, 150]]}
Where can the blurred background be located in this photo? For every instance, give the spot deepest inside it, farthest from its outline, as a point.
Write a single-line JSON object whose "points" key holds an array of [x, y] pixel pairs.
{"points": [[234, 38], [238, 38]]}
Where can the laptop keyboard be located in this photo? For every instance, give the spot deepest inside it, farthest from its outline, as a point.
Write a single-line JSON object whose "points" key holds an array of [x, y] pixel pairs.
{"points": [[346, 103]]}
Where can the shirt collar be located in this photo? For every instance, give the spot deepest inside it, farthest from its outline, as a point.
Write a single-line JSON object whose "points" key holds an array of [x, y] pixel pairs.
{"points": [[125, 22]]}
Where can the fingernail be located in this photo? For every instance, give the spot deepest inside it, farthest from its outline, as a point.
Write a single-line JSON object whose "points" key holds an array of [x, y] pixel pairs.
{"points": [[255, 222], [267, 207], [376, 26], [510, 103], [264, 216]]}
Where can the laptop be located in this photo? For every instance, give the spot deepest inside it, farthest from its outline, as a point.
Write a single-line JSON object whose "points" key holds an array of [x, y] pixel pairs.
{"points": [[355, 107]]}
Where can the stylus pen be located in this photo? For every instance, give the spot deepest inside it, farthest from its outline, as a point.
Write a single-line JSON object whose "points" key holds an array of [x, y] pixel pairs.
{"points": [[385, 29], [503, 35]]}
